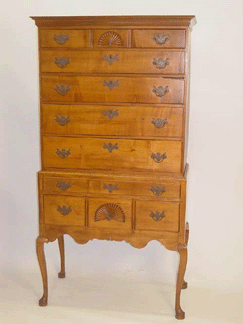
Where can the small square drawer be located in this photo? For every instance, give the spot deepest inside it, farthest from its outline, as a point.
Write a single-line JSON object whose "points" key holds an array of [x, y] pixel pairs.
{"points": [[65, 185], [159, 38], [157, 216], [64, 210], [110, 38], [64, 38], [110, 213]]}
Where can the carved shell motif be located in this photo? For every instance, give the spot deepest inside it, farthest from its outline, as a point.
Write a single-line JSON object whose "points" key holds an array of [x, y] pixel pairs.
{"points": [[110, 212], [110, 38]]}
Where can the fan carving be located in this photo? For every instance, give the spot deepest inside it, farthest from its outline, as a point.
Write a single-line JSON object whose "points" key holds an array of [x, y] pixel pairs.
{"points": [[110, 38], [110, 212]]}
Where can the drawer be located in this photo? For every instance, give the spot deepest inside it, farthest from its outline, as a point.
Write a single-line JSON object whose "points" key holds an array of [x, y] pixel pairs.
{"points": [[110, 213], [64, 210], [65, 185], [107, 154], [113, 61], [112, 120], [148, 189], [159, 38], [110, 38], [112, 89], [63, 38], [157, 216]]}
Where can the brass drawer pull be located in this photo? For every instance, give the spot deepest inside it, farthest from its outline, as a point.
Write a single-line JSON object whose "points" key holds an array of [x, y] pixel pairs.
{"points": [[62, 89], [110, 147], [110, 187], [157, 216], [63, 185], [159, 123], [62, 62], [64, 210], [111, 113], [61, 39], [160, 91], [111, 84], [157, 191], [161, 63], [160, 38], [62, 121], [63, 153], [110, 58], [158, 157]]}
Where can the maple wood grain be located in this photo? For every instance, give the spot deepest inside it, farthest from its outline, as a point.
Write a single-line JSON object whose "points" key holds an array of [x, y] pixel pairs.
{"points": [[129, 89], [121, 61], [76, 38], [108, 67], [75, 217], [89, 153], [122, 121], [169, 222], [145, 38]]}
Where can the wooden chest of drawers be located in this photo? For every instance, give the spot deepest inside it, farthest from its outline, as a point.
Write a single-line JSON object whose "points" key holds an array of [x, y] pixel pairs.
{"points": [[114, 116]]}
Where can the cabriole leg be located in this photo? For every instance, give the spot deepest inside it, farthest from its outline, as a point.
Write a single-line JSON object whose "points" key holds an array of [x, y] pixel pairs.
{"points": [[184, 283], [182, 250], [61, 274], [42, 263]]}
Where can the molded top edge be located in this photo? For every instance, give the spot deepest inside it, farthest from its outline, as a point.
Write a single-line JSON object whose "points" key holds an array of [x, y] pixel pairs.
{"points": [[60, 21]]}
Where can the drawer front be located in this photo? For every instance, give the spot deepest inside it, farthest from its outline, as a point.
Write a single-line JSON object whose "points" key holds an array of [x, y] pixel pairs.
{"points": [[110, 213], [110, 38], [112, 120], [157, 216], [159, 38], [152, 189], [112, 89], [63, 38], [107, 154], [65, 185], [64, 210], [118, 61]]}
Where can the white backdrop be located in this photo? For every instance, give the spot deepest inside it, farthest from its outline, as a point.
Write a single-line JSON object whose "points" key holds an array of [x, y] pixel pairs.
{"points": [[215, 186]]}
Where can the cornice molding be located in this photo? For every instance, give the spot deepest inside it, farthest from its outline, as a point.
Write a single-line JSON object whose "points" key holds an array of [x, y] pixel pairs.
{"points": [[107, 21]]}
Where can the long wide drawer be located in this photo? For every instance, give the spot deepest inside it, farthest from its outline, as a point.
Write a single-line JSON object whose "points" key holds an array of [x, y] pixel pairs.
{"points": [[152, 189], [112, 61], [112, 120], [112, 89], [107, 154]]}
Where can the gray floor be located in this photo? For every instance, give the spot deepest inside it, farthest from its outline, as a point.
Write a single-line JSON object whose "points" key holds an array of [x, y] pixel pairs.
{"points": [[111, 300]]}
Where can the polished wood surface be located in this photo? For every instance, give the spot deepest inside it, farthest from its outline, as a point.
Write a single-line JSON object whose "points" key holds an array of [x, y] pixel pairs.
{"points": [[145, 38], [153, 189], [168, 221], [127, 89], [55, 206], [62, 273], [112, 61], [112, 120], [114, 103], [185, 21], [125, 205], [76, 38], [110, 38], [91, 153]]}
